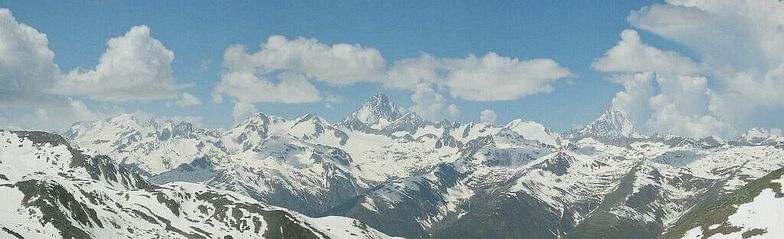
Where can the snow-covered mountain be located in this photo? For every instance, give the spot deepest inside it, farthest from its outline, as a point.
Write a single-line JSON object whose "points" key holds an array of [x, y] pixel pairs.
{"points": [[53, 190], [374, 114], [585, 190], [407, 176], [151, 146], [612, 125], [757, 136]]}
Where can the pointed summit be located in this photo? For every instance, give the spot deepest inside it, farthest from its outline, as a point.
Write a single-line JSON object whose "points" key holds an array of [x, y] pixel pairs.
{"points": [[374, 114], [611, 125], [256, 125]]}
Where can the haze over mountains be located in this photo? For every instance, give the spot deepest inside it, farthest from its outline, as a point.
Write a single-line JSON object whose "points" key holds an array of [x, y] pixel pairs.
{"points": [[389, 170]]}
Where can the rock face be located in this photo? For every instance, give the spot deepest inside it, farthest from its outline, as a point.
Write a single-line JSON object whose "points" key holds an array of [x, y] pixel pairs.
{"points": [[53, 190], [411, 177]]}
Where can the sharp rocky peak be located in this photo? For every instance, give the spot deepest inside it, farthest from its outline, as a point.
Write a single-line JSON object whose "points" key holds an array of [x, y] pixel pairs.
{"points": [[375, 113], [612, 124]]}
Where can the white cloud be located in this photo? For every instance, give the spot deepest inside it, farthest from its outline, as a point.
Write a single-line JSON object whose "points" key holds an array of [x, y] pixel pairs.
{"points": [[242, 110], [55, 116], [493, 77], [726, 33], [681, 106], [740, 51], [27, 69], [187, 100], [633, 100], [135, 66], [452, 111], [487, 116], [251, 88], [27, 75], [631, 55], [339, 64], [487, 78], [431, 105], [410, 72], [256, 76]]}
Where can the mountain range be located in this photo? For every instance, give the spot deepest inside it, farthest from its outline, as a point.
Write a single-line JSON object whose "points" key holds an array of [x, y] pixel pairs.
{"points": [[384, 171]]}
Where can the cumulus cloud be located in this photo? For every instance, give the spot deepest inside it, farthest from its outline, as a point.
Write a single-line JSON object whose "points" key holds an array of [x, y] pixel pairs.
{"points": [[631, 55], [431, 105], [726, 33], [54, 116], [681, 106], [252, 88], [503, 78], [135, 66], [499, 77], [339, 64], [682, 99], [242, 110], [487, 116], [738, 44], [27, 69], [27, 75], [637, 91], [408, 73], [283, 69], [187, 100]]}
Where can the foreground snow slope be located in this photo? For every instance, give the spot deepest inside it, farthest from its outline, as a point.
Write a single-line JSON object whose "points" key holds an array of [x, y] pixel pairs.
{"points": [[754, 211], [52, 190]]}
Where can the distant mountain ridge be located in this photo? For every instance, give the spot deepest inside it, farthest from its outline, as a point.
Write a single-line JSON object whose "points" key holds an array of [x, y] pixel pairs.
{"points": [[412, 177]]}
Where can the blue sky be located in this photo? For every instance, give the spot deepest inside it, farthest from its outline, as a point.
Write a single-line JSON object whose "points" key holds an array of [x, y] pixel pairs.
{"points": [[572, 34]]}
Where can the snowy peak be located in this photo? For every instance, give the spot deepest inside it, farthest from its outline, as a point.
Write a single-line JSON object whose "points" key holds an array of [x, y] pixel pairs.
{"points": [[760, 136], [124, 123], [409, 122], [313, 127], [611, 125], [250, 132], [532, 131], [257, 123], [377, 112], [152, 146], [128, 126]]}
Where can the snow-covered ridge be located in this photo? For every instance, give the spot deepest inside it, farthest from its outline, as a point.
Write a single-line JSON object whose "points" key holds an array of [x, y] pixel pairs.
{"points": [[52, 190], [394, 165]]}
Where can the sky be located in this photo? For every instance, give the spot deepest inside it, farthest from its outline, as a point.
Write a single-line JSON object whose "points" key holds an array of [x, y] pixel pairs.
{"points": [[692, 68]]}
